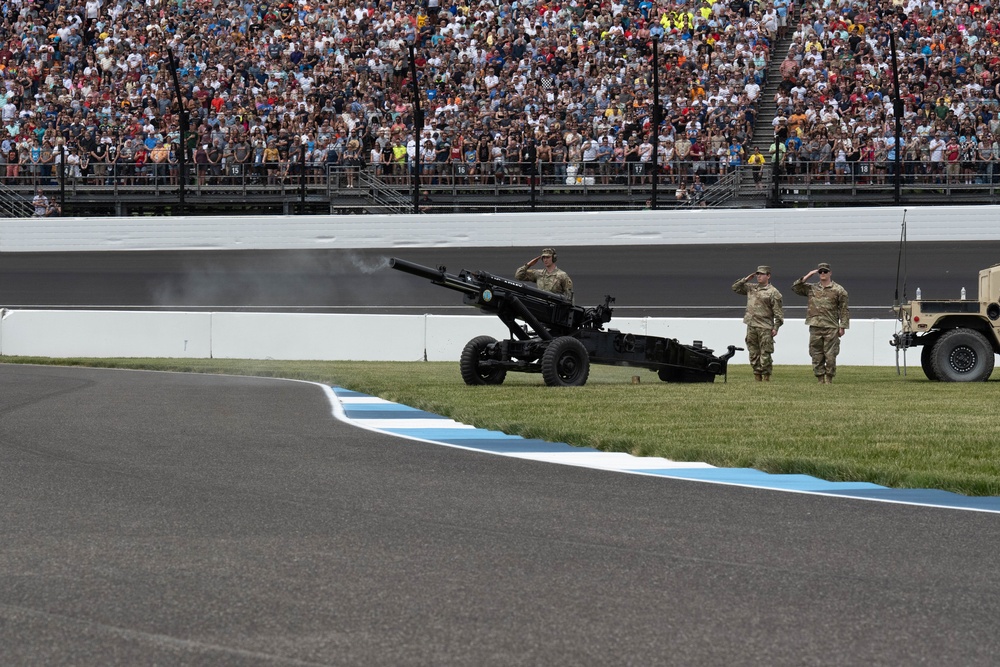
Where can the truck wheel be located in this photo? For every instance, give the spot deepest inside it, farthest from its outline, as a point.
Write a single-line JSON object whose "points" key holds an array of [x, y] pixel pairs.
{"points": [[925, 362], [476, 351], [962, 355], [565, 363]]}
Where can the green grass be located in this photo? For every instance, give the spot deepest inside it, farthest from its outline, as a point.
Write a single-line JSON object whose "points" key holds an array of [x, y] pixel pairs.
{"points": [[871, 425]]}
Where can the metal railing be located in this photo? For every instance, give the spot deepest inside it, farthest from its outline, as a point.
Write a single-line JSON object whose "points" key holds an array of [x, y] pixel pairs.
{"points": [[14, 203], [385, 199], [124, 188]]}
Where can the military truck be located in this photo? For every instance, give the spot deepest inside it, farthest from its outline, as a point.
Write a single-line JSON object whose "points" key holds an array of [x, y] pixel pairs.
{"points": [[958, 339]]}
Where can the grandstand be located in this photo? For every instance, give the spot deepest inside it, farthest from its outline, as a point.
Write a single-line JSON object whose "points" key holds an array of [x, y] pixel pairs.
{"points": [[306, 106]]}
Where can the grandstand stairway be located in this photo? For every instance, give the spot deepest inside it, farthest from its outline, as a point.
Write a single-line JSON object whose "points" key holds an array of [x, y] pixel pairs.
{"points": [[763, 132], [741, 191], [382, 198], [13, 204]]}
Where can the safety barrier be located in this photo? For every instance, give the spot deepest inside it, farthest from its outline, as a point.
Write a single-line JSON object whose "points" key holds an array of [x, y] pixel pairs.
{"points": [[343, 337], [500, 230]]}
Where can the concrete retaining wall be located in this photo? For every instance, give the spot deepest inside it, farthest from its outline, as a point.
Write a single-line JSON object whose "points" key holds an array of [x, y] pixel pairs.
{"points": [[830, 225], [59, 334]]}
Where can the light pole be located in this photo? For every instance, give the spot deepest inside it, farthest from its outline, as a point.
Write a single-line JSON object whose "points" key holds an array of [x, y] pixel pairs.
{"points": [[657, 117], [418, 127], [183, 128], [897, 114]]}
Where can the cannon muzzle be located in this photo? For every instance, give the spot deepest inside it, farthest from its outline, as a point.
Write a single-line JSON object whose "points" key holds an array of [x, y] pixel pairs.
{"points": [[416, 269]]}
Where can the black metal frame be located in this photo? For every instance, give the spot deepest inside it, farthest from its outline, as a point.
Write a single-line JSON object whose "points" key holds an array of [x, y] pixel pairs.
{"points": [[552, 317]]}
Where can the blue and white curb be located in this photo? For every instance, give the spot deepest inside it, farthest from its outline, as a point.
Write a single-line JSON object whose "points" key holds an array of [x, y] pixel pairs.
{"points": [[376, 414]]}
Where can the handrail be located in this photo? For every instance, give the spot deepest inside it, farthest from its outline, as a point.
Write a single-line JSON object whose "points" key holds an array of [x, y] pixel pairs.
{"points": [[386, 199], [14, 204], [123, 187]]}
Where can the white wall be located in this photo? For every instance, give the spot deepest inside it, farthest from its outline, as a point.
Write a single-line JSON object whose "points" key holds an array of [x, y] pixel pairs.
{"points": [[41, 333], [50, 333], [829, 225], [342, 337]]}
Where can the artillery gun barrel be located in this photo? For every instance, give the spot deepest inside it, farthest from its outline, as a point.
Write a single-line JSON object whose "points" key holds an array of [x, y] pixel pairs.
{"points": [[437, 276], [416, 269], [521, 289]]}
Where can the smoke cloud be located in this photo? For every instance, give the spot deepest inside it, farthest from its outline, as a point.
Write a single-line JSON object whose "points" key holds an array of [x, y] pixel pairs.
{"points": [[286, 279]]}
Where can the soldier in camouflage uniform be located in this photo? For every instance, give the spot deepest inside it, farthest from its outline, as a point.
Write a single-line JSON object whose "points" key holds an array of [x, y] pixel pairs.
{"points": [[827, 317], [551, 278], [763, 318]]}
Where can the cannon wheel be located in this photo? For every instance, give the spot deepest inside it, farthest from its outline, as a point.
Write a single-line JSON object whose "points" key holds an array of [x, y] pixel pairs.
{"points": [[474, 352], [565, 363], [962, 355]]}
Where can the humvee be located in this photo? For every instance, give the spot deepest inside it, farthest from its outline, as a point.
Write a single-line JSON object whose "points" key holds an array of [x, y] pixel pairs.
{"points": [[959, 338]]}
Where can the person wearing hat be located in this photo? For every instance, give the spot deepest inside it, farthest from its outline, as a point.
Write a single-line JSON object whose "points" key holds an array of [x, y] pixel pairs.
{"points": [[827, 317], [764, 316], [551, 278]]}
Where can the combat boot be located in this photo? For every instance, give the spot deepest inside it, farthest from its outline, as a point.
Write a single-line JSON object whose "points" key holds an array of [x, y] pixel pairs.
{"points": [[821, 378], [757, 377], [767, 378], [829, 379]]}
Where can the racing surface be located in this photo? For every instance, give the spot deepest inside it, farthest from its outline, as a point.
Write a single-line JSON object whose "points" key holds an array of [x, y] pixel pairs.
{"points": [[659, 281], [176, 519]]}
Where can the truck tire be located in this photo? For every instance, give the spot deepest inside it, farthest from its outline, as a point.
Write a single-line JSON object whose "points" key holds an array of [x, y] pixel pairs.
{"points": [[962, 355], [473, 373], [565, 363], [925, 361]]}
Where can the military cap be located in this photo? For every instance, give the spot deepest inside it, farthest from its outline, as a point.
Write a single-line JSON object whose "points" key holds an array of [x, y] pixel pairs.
{"points": [[764, 269], [822, 265], [548, 251]]}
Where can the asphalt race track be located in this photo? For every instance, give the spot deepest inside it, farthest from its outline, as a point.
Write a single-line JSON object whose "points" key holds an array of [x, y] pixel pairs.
{"points": [[662, 281], [177, 519]]}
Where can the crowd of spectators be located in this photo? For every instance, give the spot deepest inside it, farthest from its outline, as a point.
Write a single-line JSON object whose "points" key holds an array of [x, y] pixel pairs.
{"points": [[835, 106], [564, 83], [507, 88]]}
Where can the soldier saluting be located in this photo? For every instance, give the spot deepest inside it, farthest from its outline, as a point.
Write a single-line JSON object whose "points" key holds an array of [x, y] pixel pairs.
{"points": [[551, 278], [827, 316], [763, 318]]}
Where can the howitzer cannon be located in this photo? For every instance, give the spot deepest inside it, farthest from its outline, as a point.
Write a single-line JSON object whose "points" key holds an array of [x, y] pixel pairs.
{"points": [[552, 336]]}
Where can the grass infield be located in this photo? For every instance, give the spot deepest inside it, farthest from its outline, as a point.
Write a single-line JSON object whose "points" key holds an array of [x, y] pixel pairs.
{"points": [[871, 425]]}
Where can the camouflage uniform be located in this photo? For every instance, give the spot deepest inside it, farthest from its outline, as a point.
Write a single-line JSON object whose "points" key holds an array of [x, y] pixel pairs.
{"points": [[558, 281], [826, 314], [764, 315]]}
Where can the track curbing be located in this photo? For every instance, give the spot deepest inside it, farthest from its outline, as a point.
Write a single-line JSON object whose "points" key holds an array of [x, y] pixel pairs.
{"points": [[376, 414]]}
